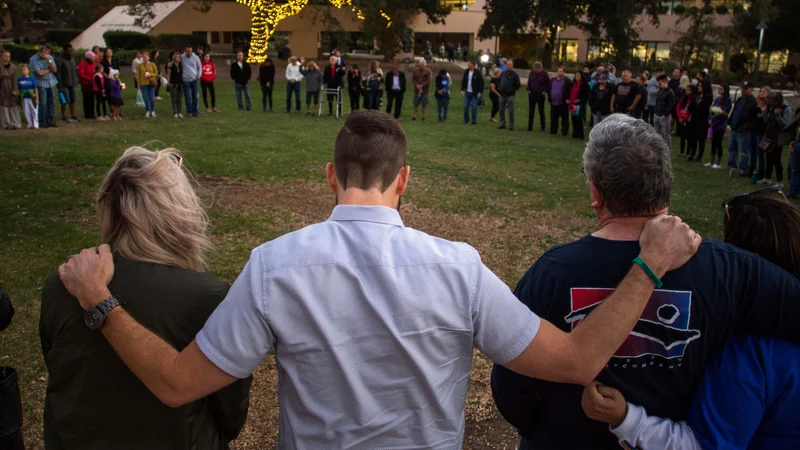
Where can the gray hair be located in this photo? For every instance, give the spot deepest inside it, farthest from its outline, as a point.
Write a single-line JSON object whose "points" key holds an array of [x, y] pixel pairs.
{"points": [[629, 163], [503, 60]]}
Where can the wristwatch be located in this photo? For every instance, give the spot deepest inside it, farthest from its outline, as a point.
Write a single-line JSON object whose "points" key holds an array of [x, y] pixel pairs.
{"points": [[95, 316]]}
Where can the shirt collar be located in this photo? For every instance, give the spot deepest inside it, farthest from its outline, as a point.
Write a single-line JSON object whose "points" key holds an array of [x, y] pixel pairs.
{"points": [[358, 213]]}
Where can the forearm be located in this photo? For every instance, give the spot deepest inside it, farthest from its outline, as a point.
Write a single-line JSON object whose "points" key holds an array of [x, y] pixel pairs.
{"points": [[146, 355], [651, 432], [603, 331]]}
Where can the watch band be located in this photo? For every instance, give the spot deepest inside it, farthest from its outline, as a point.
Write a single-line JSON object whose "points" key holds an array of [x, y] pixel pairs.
{"points": [[110, 303]]}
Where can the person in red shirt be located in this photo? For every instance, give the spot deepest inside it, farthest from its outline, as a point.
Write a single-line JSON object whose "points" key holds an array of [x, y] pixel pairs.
{"points": [[209, 74], [85, 73]]}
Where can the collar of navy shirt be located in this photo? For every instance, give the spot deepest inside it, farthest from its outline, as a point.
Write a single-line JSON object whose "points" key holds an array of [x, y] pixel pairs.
{"points": [[360, 213]]}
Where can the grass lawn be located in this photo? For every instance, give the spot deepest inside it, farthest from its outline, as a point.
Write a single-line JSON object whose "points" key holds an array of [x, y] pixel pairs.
{"points": [[511, 195]]}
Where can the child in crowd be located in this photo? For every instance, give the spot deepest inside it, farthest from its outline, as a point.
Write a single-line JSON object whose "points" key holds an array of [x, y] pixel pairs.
{"points": [[29, 96], [115, 95], [99, 89], [313, 85], [443, 83]]}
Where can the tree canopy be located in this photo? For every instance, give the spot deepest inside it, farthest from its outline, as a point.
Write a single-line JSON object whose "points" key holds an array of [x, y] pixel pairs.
{"points": [[611, 20]]}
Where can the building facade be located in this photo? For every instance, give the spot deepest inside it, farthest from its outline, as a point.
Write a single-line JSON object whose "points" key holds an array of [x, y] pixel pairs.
{"points": [[318, 29]]}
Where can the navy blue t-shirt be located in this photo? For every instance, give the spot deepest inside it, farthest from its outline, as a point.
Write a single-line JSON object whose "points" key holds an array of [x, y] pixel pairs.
{"points": [[721, 291]]}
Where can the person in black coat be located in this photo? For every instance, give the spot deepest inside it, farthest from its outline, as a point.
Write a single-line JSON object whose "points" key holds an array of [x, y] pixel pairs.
{"points": [[333, 78], [698, 123], [266, 78], [471, 89], [240, 74], [10, 399], [395, 90], [354, 86], [577, 103]]}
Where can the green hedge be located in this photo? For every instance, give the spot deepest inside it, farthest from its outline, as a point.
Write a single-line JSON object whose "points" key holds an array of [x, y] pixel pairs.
{"points": [[23, 53], [172, 42], [61, 37], [127, 40]]}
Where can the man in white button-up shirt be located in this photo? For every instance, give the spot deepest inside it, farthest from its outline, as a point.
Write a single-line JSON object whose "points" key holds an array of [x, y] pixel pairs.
{"points": [[373, 323]]}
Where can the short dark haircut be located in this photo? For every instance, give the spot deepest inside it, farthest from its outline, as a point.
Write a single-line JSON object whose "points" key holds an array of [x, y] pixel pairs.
{"points": [[662, 77], [561, 66], [68, 46], [764, 223], [45, 47], [370, 150]]}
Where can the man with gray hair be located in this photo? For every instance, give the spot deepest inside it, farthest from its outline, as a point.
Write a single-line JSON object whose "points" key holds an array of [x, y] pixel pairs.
{"points": [[720, 292]]}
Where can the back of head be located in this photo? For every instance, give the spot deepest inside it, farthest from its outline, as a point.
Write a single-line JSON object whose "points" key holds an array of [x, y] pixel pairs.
{"points": [[629, 163], [370, 150], [766, 225], [685, 82], [148, 210]]}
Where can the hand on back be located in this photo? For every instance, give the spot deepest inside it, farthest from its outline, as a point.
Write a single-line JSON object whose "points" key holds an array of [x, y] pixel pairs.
{"points": [[667, 243]]}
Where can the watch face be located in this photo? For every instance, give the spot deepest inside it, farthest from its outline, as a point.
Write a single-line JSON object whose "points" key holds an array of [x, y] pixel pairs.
{"points": [[94, 319]]}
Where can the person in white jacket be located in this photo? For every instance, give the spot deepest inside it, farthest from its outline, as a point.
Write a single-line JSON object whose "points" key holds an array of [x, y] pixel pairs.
{"points": [[294, 77], [135, 67]]}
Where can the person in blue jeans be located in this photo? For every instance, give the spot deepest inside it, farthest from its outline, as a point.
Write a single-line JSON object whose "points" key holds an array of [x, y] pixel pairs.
{"points": [[294, 78], [742, 120], [241, 74], [192, 70], [471, 89], [43, 68]]}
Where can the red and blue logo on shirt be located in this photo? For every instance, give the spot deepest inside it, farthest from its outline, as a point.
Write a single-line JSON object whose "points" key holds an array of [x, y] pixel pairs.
{"points": [[662, 330]]}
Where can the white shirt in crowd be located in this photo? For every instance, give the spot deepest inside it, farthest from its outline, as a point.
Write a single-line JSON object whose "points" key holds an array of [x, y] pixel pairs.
{"points": [[469, 81], [293, 72], [135, 64], [239, 63], [396, 82]]}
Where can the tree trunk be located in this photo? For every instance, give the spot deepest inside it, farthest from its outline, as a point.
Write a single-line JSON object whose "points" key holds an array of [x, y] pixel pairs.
{"points": [[549, 45]]}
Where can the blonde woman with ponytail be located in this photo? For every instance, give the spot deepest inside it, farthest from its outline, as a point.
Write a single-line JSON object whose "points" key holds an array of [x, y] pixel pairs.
{"points": [[154, 222]]}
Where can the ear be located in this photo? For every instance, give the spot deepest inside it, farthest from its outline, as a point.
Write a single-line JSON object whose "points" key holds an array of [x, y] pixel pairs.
{"points": [[598, 199], [330, 174], [402, 179]]}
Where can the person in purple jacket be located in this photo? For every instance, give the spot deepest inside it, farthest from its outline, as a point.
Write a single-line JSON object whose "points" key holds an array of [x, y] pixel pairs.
{"points": [[558, 89], [538, 82], [750, 395]]}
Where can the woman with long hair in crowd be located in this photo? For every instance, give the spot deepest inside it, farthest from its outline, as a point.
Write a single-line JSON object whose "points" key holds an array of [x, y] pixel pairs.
{"points": [[175, 78], [684, 112], [578, 98], [698, 123], [749, 396], [758, 159], [719, 123], [373, 85], [494, 95], [151, 217], [148, 82], [776, 118], [207, 77], [354, 86]]}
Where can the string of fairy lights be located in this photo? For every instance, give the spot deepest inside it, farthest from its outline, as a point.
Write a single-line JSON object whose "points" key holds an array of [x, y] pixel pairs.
{"points": [[267, 14]]}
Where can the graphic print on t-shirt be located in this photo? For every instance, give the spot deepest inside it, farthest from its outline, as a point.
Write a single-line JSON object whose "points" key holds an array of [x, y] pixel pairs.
{"points": [[662, 330]]}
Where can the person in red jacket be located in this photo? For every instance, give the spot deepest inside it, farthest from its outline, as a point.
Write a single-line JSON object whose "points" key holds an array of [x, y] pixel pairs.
{"points": [[85, 74], [209, 73]]}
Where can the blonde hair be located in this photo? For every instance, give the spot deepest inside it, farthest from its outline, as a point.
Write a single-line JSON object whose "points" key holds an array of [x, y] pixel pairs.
{"points": [[24, 67], [684, 83], [373, 66], [766, 90], [292, 60], [149, 211]]}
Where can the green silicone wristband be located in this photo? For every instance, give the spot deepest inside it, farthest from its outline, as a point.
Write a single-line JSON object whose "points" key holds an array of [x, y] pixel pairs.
{"points": [[649, 272]]}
